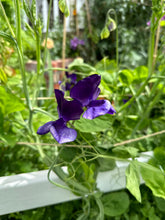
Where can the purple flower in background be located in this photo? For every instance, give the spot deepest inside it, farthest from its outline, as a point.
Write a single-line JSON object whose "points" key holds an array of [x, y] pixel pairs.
{"points": [[86, 92], [67, 110], [148, 23], [75, 42], [163, 18]]}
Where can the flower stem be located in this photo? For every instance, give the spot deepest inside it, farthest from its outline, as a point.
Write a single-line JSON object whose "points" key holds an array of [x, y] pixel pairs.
{"points": [[7, 20], [21, 61]]}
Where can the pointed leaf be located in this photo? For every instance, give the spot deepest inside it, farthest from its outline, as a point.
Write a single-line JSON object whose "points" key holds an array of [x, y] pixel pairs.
{"points": [[154, 178], [133, 181]]}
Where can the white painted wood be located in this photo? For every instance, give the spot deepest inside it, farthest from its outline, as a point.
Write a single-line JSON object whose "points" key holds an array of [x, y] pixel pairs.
{"points": [[33, 190], [45, 14], [55, 11]]}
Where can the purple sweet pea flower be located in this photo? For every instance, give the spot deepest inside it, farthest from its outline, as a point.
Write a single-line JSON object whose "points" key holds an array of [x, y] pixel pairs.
{"points": [[86, 92], [81, 42], [75, 42], [59, 130], [67, 110]]}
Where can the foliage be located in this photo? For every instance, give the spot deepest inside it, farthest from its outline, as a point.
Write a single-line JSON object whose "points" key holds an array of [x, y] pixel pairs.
{"points": [[136, 91]]}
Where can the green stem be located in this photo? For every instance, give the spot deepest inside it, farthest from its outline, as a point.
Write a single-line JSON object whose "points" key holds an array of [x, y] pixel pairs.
{"points": [[151, 46], [21, 61], [46, 36], [18, 24], [136, 95], [117, 37], [51, 86], [74, 186], [7, 20], [38, 53]]}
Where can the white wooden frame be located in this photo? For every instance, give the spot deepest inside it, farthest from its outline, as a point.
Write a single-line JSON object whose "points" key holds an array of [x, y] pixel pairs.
{"points": [[32, 190]]}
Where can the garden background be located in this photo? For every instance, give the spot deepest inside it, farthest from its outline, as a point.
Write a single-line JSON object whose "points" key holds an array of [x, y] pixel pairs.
{"points": [[124, 43]]}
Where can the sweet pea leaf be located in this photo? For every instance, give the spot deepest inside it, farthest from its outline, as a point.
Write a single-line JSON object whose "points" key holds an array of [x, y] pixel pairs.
{"points": [[160, 203], [126, 77], [106, 164], [3, 76], [140, 73], [9, 139], [115, 203], [125, 151], [98, 124], [133, 180], [9, 103], [154, 178], [80, 66]]}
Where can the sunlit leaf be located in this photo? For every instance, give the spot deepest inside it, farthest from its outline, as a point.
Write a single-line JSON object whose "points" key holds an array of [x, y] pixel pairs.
{"points": [[3, 76], [133, 180], [10, 103], [154, 178]]}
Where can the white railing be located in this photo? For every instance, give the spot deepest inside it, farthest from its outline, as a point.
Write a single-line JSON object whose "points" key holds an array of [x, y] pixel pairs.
{"points": [[32, 190]]}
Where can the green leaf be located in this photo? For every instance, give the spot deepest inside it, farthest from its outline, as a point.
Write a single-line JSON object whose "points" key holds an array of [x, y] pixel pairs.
{"points": [[80, 66], [126, 77], [10, 103], [160, 203], [140, 73], [106, 65], [133, 180], [9, 139], [106, 164], [125, 151], [105, 33], [154, 178], [98, 124], [63, 7], [115, 203], [3, 76]]}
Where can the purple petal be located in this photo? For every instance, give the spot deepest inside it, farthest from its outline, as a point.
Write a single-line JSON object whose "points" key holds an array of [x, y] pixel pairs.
{"points": [[111, 110], [73, 77], [68, 110], [44, 129], [81, 42], [60, 97], [97, 108], [86, 90], [62, 133]]}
